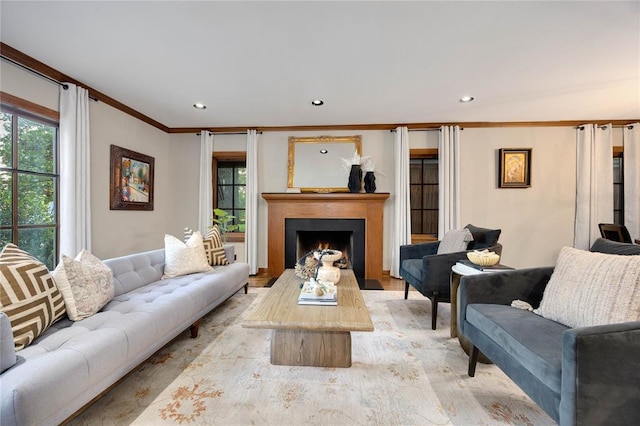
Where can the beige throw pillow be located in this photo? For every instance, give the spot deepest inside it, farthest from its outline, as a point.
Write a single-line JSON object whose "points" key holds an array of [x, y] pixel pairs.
{"points": [[184, 258], [589, 289], [86, 284], [455, 240], [28, 295], [214, 248]]}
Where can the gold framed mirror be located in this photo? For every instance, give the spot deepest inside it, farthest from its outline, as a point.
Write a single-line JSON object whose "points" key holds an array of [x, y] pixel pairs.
{"points": [[315, 163]]}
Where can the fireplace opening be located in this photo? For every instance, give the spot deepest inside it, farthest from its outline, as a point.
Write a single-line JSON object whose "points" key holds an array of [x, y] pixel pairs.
{"points": [[346, 235], [316, 240]]}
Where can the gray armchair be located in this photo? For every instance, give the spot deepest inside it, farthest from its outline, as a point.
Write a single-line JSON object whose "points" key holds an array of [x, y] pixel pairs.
{"points": [[579, 376], [429, 272]]}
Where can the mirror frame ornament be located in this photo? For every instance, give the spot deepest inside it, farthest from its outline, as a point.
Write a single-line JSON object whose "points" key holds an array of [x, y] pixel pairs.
{"points": [[293, 140]]}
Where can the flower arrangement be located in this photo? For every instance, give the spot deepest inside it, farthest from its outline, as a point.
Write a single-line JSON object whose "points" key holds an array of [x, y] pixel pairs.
{"points": [[369, 165], [356, 160], [307, 266]]}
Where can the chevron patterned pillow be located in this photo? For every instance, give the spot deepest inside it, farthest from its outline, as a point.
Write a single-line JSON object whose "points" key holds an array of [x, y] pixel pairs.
{"points": [[28, 295], [214, 248]]}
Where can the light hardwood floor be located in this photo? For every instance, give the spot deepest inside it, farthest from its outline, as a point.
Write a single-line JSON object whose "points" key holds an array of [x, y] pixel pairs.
{"points": [[387, 282]]}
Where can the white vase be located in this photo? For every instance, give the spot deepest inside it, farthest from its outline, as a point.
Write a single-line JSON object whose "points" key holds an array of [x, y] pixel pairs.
{"points": [[328, 272]]}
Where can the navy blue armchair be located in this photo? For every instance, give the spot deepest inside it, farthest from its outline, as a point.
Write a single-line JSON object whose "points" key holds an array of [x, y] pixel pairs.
{"points": [[429, 273]]}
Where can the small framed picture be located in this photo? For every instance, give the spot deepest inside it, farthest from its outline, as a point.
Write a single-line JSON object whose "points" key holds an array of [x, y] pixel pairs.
{"points": [[515, 168], [131, 180]]}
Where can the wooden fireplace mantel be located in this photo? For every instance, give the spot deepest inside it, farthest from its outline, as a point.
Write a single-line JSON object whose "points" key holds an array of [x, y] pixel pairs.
{"points": [[368, 206]]}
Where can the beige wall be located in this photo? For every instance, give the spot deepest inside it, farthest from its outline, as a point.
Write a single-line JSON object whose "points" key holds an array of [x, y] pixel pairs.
{"points": [[120, 232], [25, 85], [536, 222], [115, 232]]}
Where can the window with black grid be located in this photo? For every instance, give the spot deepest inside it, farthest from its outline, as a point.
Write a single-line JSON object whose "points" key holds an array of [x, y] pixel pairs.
{"points": [[231, 189], [423, 175], [618, 189]]}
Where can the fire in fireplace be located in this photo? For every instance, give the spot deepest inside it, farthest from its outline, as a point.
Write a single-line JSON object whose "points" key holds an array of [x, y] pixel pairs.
{"points": [[346, 235]]}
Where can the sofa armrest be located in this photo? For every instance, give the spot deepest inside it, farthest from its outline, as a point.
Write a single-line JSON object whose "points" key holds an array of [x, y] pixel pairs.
{"points": [[600, 375], [417, 251], [230, 252], [501, 288], [7, 348]]}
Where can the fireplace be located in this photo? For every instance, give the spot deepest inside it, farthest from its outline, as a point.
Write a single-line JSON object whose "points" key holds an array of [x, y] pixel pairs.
{"points": [[347, 235], [367, 207]]}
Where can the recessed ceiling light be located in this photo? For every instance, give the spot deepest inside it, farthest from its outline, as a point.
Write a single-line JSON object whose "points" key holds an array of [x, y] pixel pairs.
{"points": [[199, 106], [317, 102], [466, 99], [323, 151]]}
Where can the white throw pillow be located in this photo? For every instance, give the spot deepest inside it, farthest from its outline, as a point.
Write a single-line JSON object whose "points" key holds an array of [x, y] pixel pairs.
{"points": [[86, 284], [455, 240], [184, 258], [588, 289]]}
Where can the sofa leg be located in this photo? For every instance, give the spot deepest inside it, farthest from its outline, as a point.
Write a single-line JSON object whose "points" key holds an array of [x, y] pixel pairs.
{"points": [[194, 329], [406, 290], [246, 288], [434, 310], [473, 360]]}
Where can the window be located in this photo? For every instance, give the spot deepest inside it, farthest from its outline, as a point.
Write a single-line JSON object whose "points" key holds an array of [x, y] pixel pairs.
{"points": [[229, 187], [618, 186], [29, 183], [423, 175]]}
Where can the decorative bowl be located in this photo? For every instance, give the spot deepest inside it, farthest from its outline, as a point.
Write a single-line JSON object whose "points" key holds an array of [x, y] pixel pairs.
{"points": [[484, 257]]}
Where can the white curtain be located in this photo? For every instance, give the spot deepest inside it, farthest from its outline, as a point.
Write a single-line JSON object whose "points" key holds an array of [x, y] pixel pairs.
{"points": [[631, 137], [594, 182], [75, 184], [401, 233], [251, 218], [448, 179], [205, 204]]}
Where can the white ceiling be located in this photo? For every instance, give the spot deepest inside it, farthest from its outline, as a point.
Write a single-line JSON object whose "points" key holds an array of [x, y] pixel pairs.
{"points": [[261, 63]]}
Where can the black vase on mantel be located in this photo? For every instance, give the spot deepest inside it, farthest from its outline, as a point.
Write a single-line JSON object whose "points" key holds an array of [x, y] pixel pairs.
{"points": [[369, 182], [355, 178]]}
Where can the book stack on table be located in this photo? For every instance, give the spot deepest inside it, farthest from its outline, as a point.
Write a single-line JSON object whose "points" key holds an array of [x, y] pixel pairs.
{"points": [[472, 268], [309, 296]]}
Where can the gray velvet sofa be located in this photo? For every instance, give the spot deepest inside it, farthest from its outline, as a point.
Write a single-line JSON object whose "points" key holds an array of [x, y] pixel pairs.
{"points": [[579, 376], [72, 363]]}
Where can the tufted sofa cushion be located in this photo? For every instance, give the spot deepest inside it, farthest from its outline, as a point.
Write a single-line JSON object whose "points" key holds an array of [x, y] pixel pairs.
{"points": [[73, 362]]}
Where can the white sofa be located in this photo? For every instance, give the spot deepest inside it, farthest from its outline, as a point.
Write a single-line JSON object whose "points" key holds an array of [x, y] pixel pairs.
{"points": [[72, 363]]}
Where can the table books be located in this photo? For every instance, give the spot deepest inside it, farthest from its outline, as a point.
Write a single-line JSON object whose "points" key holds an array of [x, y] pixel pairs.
{"points": [[495, 268], [308, 294]]}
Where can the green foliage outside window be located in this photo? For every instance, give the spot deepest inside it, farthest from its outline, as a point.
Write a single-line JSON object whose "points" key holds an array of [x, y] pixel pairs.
{"points": [[28, 185]]}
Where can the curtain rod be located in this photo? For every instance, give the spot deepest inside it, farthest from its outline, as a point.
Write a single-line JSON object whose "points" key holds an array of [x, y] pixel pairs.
{"points": [[41, 75], [437, 129], [227, 133], [604, 126]]}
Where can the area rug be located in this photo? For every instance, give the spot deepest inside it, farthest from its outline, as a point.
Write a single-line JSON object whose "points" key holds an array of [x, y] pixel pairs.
{"points": [[403, 373]]}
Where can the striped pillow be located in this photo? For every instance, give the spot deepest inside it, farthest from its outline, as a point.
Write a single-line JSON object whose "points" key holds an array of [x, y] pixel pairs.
{"points": [[214, 248], [28, 295]]}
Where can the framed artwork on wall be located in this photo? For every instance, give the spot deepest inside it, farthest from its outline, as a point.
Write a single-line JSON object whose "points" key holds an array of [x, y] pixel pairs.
{"points": [[515, 168], [131, 180]]}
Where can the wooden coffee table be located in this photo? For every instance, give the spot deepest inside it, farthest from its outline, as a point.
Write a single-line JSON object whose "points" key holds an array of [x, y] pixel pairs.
{"points": [[309, 335]]}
